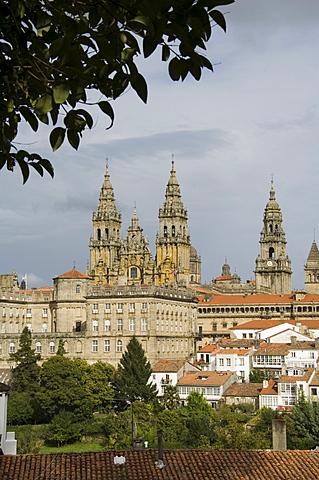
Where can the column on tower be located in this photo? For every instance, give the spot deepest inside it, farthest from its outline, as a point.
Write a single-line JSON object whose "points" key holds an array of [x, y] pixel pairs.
{"points": [[311, 270]]}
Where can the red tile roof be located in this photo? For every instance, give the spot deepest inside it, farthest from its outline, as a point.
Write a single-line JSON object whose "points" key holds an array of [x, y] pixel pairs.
{"points": [[271, 389], [256, 299], [244, 390], [263, 324], [205, 378], [208, 348], [73, 274], [168, 365], [179, 465]]}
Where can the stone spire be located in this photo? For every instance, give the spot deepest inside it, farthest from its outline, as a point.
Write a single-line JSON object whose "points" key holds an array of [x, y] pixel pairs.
{"points": [[173, 240], [311, 270], [273, 266], [105, 243]]}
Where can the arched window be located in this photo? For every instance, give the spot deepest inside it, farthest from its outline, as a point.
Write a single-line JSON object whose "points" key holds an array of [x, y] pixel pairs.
{"points": [[52, 347], [271, 252], [12, 347], [173, 230], [270, 228], [78, 289], [119, 346], [38, 347], [99, 234], [165, 231], [107, 233], [133, 272]]}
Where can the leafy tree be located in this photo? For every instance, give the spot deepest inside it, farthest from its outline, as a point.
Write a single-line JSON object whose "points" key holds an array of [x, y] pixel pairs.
{"points": [[197, 405], [61, 350], [53, 54], [99, 377], [64, 428], [20, 408], [26, 374], [305, 418], [171, 398], [132, 378], [63, 386], [257, 376]]}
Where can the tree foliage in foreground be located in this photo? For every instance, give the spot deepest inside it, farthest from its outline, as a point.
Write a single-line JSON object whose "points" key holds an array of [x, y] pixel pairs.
{"points": [[53, 55], [132, 378]]}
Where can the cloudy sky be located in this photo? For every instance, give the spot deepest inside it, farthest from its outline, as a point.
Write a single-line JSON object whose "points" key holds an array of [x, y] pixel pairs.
{"points": [[255, 116]]}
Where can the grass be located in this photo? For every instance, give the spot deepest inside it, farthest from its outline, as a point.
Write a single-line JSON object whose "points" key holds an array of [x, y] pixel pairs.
{"points": [[75, 447]]}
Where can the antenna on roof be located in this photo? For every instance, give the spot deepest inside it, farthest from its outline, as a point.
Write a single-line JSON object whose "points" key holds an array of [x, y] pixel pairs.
{"points": [[74, 265], [314, 235]]}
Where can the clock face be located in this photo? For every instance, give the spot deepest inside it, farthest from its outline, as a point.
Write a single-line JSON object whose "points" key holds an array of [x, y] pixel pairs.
{"points": [[269, 263]]}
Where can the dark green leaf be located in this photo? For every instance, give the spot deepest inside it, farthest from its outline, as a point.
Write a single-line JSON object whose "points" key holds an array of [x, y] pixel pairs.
{"points": [[165, 53], [30, 118], [219, 18], [108, 110], [148, 47], [24, 167], [44, 104], [140, 86], [37, 167], [47, 166], [61, 93], [73, 138], [57, 138], [87, 116], [174, 69]]}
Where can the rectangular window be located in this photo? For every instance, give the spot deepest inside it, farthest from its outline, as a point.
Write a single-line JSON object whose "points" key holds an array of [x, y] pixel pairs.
{"points": [[132, 307], [120, 324], [44, 327], [44, 312], [95, 308], [228, 362], [107, 308], [12, 348], [94, 346], [144, 324], [132, 324], [244, 335], [144, 307], [241, 361], [52, 347], [120, 308], [3, 311], [95, 326], [107, 325], [11, 313], [29, 313], [221, 362], [107, 346], [38, 347], [242, 373], [78, 289]]}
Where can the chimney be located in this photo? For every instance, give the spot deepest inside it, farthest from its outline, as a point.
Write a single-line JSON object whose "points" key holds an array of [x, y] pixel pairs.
{"points": [[293, 340], [256, 343], [160, 463], [283, 369], [8, 444], [279, 437], [317, 342], [265, 383]]}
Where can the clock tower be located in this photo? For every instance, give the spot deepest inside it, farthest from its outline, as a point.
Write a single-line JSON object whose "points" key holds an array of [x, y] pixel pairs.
{"points": [[273, 266]]}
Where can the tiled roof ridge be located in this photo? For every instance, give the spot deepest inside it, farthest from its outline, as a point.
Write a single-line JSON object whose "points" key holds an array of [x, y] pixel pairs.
{"points": [[73, 274]]}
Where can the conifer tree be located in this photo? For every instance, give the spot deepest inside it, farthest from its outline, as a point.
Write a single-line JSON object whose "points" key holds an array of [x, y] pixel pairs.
{"points": [[27, 372], [131, 381]]}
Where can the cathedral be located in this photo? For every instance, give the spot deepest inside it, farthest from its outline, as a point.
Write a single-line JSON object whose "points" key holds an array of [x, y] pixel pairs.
{"points": [[161, 300]]}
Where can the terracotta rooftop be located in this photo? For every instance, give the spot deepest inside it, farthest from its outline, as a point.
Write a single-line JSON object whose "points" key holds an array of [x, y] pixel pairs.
{"points": [[234, 351], [244, 390], [204, 378], [263, 324], [73, 274], [256, 299], [273, 349], [208, 348], [271, 388], [315, 379], [297, 378], [179, 465], [168, 365], [238, 342]]}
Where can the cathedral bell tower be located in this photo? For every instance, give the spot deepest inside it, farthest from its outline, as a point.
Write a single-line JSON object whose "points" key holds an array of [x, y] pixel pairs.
{"points": [[105, 243], [273, 266], [311, 270], [173, 240]]}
